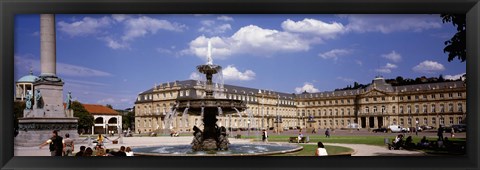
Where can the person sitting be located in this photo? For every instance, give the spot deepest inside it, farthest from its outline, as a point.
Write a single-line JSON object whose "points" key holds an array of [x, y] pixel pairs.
{"points": [[321, 151], [129, 151], [88, 152], [398, 142], [409, 142], [81, 152], [299, 138], [424, 142]]}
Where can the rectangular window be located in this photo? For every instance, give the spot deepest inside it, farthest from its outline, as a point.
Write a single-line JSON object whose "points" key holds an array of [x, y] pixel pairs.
{"points": [[459, 94], [442, 121], [374, 99], [434, 121], [409, 98], [433, 96], [450, 95], [383, 98], [459, 107], [451, 120]]}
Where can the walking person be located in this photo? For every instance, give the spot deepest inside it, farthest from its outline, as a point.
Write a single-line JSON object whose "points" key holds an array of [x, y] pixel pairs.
{"points": [[264, 136], [68, 146], [321, 151], [56, 145], [327, 133]]}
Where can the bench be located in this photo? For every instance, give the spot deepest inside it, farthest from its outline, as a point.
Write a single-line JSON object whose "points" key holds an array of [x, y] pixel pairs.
{"points": [[295, 140]]}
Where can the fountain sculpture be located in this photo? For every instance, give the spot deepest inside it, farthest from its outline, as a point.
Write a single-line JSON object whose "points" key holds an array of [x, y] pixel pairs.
{"points": [[212, 137]]}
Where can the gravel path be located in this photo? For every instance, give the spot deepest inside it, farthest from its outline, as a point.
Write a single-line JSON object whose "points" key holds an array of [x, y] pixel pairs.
{"points": [[371, 150]]}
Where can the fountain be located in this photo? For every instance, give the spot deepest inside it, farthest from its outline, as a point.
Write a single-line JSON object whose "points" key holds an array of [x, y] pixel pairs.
{"points": [[212, 139]]}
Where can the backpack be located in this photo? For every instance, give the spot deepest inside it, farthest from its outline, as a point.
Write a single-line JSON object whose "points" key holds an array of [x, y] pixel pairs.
{"points": [[58, 145], [52, 146]]}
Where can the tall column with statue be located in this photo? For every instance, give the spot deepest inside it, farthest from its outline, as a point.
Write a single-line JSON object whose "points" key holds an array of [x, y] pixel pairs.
{"points": [[47, 112]]}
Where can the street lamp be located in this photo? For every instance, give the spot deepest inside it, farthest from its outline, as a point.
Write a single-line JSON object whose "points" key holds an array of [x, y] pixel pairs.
{"points": [[416, 127], [276, 112], [248, 132]]}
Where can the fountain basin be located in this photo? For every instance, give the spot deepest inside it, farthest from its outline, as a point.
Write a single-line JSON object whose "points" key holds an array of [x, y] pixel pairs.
{"points": [[252, 149], [195, 105]]}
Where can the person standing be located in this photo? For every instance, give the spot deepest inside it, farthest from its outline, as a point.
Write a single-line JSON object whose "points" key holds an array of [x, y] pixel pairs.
{"points": [[452, 133], [264, 136], [68, 146], [321, 151], [56, 145], [299, 138], [440, 133], [327, 133]]}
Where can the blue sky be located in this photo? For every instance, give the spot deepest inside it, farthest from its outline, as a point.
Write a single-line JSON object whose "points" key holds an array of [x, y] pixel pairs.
{"points": [[109, 59]]}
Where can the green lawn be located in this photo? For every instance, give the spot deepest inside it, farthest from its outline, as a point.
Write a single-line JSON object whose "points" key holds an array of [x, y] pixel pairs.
{"points": [[369, 140], [309, 150]]}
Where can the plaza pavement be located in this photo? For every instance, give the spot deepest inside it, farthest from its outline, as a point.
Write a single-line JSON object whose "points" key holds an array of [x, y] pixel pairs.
{"points": [[359, 149], [127, 142]]}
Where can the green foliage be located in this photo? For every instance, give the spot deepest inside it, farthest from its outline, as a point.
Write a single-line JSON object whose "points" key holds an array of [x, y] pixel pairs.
{"points": [[310, 149], [109, 106], [456, 46], [85, 119], [128, 119]]}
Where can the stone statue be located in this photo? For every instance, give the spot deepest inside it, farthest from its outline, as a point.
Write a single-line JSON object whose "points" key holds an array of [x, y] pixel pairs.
{"points": [[69, 100], [38, 99], [222, 139], [29, 100], [197, 139]]}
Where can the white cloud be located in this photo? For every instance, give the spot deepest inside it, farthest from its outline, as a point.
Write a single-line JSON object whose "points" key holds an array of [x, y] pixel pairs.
{"points": [[359, 62], [114, 44], [392, 23], [308, 87], [133, 27], [334, 54], [393, 56], [315, 27], [63, 69], [250, 40], [453, 77], [210, 27], [225, 18], [85, 26], [195, 76], [120, 17], [345, 79], [232, 73], [387, 68], [429, 67], [139, 27]]}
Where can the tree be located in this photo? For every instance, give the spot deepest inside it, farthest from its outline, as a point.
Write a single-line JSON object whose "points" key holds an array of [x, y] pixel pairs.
{"points": [[440, 78], [456, 46], [109, 106], [85, 119]]}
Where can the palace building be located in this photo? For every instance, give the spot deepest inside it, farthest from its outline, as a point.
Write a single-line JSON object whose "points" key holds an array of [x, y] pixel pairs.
{"points": [[378, 105]]}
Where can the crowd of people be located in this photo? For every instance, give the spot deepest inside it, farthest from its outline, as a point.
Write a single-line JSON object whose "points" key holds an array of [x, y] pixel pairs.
{"points": [[60, 146]]}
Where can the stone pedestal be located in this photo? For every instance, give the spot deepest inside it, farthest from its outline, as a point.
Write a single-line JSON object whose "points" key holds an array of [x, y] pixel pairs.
{"points": [[34, 131]]}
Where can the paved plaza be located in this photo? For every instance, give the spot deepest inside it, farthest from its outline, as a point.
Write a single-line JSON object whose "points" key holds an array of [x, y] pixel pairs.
{"points": [[359, 149]]}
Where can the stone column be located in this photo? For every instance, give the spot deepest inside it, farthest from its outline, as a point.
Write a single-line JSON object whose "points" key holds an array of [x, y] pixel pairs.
{"points": [[47, 45]]}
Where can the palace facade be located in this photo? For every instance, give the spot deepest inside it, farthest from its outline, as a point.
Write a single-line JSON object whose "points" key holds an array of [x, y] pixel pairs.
{"points": [[378, 105]]}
